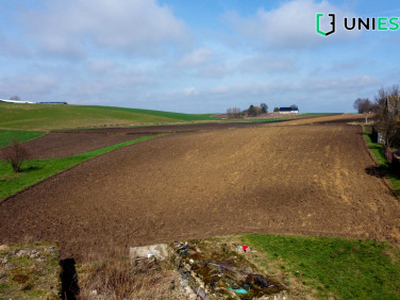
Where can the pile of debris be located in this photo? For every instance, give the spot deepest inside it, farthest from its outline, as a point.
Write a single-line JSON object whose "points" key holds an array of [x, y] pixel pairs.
{"points": [[215, 270]]}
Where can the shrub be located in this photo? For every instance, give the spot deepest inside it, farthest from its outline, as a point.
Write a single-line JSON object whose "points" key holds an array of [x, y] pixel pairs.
{"points": [[15, 154]]}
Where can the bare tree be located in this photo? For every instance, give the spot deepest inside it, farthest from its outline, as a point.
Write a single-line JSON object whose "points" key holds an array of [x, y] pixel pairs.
{"points": [[234, 113], [15, 98], [387, 112], [15, 154], [364, 106]]}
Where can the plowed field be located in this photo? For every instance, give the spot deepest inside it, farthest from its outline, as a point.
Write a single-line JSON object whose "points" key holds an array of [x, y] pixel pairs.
{"points": [[303, 179], [65, 143]]}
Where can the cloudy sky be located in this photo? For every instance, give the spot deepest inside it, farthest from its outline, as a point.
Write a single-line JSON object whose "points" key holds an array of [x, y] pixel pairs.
{"points": [[198, 56]]}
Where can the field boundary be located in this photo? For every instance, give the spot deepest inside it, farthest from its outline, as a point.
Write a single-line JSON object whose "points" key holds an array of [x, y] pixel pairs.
{"points": [[135, 141], [18, 138]]}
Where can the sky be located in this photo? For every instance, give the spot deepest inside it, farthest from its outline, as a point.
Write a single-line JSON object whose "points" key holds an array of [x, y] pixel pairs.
{"points": [[198, 56]]}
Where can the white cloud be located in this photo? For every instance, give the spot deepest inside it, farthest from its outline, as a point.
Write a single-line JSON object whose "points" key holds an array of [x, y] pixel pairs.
{"points": [[190, 91], [196, 57], [12, 47], [101, 66], [27, 85], [218, 70], [292, 25], [343, 83], [262, 63], [110, 80], [67, 27], [220, 89]]}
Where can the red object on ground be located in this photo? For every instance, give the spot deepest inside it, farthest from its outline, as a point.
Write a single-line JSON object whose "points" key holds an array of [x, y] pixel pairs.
{"points": [[246, 248]]}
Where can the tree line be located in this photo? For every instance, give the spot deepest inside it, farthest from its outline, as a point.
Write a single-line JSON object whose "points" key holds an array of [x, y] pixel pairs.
{"points": [[252, 111], [386, 107]]}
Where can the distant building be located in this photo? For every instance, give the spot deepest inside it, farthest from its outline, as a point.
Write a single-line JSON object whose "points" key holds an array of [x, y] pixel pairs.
{"points": [[289, 110], [52, 103], [16, 101]]}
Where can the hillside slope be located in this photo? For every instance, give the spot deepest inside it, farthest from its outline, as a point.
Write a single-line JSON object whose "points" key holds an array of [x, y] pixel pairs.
{"points": [[47, 116]]}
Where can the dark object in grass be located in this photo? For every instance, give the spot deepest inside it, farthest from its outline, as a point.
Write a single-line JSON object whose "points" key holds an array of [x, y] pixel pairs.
{"points": [[261, 282]]}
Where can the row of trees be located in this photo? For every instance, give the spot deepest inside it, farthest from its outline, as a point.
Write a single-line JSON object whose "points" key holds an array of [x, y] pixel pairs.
{"points": [[252, 111], [386, 107]]}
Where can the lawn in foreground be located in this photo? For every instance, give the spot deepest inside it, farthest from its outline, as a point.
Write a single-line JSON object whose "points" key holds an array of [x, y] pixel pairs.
{"points": [[36, 170], [332, 267], [6, 136]]}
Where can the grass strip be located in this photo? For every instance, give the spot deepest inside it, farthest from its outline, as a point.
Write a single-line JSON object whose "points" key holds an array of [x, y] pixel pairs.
{"points": [[35, 170], [335, 268], [6, 136], [384, 165]]}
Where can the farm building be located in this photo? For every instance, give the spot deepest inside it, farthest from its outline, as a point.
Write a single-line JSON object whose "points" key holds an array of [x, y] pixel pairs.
{"points": [[52, 102], [16, 101], [289, 110]]}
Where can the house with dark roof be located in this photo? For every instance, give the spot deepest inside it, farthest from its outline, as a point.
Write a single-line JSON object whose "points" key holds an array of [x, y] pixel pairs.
{"points": [[289, 110]]}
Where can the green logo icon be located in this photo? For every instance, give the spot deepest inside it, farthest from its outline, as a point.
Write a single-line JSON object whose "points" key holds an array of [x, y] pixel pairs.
{"points": [[332, 23]]}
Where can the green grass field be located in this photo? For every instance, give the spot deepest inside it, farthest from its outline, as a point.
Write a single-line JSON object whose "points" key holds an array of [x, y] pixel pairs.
{"points": [[6, 136], [334, 268], [35, 170], [383, 163], [47, 116]]}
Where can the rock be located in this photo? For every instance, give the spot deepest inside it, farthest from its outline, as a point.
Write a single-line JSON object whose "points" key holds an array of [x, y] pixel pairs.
{"points": [[50, 249], [34, 254], [159, 251], [21, 253], [41, 259], [9, 267]]}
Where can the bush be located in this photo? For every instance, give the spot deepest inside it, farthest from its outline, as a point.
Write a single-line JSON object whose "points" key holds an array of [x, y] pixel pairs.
{"points": [[234, 113], [15, 154]]}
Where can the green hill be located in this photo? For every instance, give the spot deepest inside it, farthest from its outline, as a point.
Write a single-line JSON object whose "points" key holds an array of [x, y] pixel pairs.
{"points": [[50, 116]]}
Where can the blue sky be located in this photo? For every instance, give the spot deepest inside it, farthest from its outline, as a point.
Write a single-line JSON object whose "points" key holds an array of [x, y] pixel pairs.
{"points": [[194, 56]]}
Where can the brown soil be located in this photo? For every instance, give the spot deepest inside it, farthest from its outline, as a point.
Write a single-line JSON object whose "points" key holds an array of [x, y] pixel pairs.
{"points": [[65, 143], [329, 119], [56, 144], [302, 179]]}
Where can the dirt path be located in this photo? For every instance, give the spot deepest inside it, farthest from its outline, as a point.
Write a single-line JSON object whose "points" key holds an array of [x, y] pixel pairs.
{"points": [[272, 179]]}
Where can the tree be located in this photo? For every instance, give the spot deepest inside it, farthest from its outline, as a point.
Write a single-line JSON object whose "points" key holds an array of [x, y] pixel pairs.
{"points": [[233, 113], [264, 108], [252, 111], [15, 154], [294, 106], [276, 109], [364, 106], [387, 111], [356, 104], [15, 98]]}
